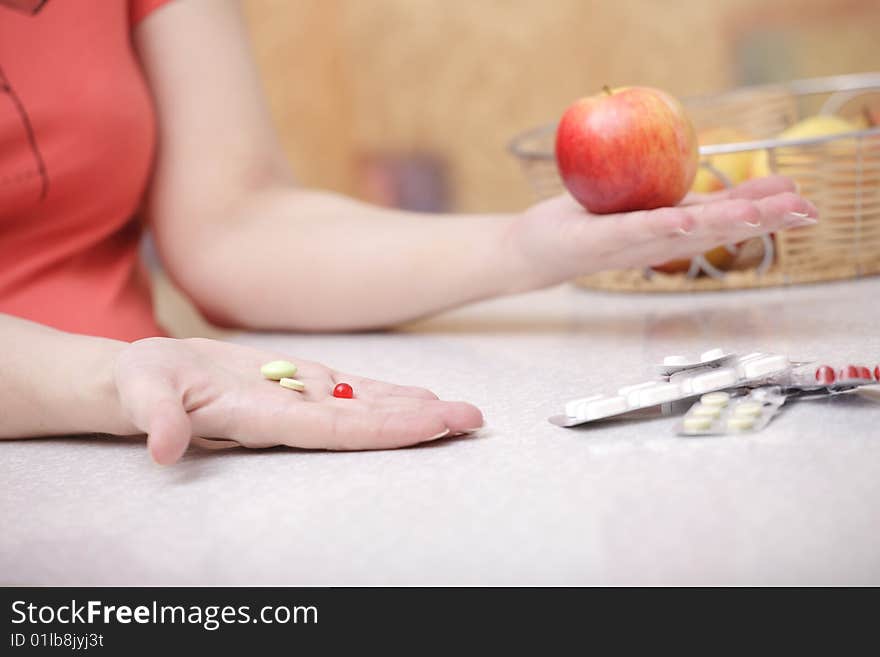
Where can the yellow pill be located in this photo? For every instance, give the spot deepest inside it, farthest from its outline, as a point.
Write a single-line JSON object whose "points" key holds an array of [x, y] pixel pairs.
{"points": [[740, 423], [278, 369], [696, 423], [752, 409], [715, 398], [293, 384], [706, 411]]}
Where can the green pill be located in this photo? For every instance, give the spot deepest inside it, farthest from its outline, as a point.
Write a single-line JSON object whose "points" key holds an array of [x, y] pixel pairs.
{"points": [[715, 398], [278, 369], [748, 409], [696, 423], [704, 410], [740, 423]]}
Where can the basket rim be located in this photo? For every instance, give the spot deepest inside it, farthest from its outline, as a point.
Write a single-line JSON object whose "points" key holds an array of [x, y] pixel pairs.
{"points": [[769, 144], [799, 87], [850, 82]]}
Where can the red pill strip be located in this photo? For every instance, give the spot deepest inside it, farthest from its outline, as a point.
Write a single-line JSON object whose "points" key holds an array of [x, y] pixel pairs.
{"points": [[343, 391], [849, 372], [854, 373], [825, 375]]}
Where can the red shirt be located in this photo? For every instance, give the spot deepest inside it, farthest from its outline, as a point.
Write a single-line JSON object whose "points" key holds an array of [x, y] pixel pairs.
{"points": [[77, 140]]}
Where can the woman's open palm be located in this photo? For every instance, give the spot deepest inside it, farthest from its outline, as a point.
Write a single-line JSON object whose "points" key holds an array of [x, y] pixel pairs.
{"points": [[174, 390]]}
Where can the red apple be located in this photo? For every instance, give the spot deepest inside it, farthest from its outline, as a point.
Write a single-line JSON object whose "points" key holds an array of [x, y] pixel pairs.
{"points": [[632, 148]]}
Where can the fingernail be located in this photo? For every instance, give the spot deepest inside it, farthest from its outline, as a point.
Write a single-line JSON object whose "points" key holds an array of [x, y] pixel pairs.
{"points": [[465, 432], [439, 435], [798, 219]]}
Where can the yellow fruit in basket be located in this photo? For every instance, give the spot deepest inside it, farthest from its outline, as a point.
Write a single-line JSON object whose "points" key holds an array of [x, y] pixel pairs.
{"points": [[750, 254], [734, 166], [820, 125], [719, 257]]}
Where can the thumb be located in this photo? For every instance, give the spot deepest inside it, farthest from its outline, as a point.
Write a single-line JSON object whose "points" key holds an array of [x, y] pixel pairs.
{"points": [[155, 408], [168, 430], [146, 382]]}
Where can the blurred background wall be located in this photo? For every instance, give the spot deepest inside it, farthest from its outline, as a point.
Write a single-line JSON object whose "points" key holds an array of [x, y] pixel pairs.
{"points": [[412, 102], [371, 96]]}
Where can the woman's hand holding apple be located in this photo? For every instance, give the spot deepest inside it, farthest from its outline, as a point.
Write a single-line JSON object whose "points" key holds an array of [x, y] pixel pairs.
{"points": [[628, 158], [558, 239]]}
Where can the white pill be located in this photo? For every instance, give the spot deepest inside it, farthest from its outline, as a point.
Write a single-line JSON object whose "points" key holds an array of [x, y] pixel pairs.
{"points": [[631, 392], [702, 410], [715, 398], [575, 408], [764, 366], [605, 407], [752, 409], [657, 394], [675, 360], [740, 423], [293, 384], [684, 381], [712, 354], [713, 379], [696, 423]]}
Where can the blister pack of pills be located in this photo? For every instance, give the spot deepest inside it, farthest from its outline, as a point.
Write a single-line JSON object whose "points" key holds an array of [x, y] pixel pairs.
{"points": [[830, 380], [720, 413], [678, 362], [679, 378]]}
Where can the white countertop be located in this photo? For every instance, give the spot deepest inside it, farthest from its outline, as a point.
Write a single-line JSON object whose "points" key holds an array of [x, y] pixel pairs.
{"points": [[524, 502]]}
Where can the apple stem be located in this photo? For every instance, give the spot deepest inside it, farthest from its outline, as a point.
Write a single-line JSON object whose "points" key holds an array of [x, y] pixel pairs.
{"points": [[869, 116], [606, 89]]}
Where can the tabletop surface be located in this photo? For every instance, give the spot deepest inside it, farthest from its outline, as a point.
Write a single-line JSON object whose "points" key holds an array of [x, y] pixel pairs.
{"points": [[522, 502]]}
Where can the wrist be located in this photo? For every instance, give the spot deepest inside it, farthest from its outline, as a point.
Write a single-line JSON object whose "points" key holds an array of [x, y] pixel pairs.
{"points": [[56, 383], [502, 266], [531, 265], [96, 404]]}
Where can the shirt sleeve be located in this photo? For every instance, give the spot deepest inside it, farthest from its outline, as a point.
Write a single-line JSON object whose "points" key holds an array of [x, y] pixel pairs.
{"points": [[138, 10]]}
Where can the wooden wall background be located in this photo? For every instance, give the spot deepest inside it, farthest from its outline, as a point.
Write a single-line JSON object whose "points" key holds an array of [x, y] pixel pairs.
{"points": [[458, 78]]}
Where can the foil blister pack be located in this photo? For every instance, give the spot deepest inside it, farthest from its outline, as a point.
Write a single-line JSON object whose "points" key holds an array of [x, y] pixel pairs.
{"points": [[720, 413], [737, 394], [678, 378], [830, 380]]}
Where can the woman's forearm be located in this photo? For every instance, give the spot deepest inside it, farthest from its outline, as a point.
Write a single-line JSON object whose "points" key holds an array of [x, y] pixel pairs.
{"points": [[296, 259], [54, 383], [250, 248]]}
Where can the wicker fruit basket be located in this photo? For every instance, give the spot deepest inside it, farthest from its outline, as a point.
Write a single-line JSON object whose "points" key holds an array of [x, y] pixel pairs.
{"points": [[839, 173]]}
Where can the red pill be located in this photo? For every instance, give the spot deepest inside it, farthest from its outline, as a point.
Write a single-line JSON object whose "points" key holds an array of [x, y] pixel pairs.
{"points": [[849, 372], [343, 391], [877, 373], [825, 375], [865, 373]]}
